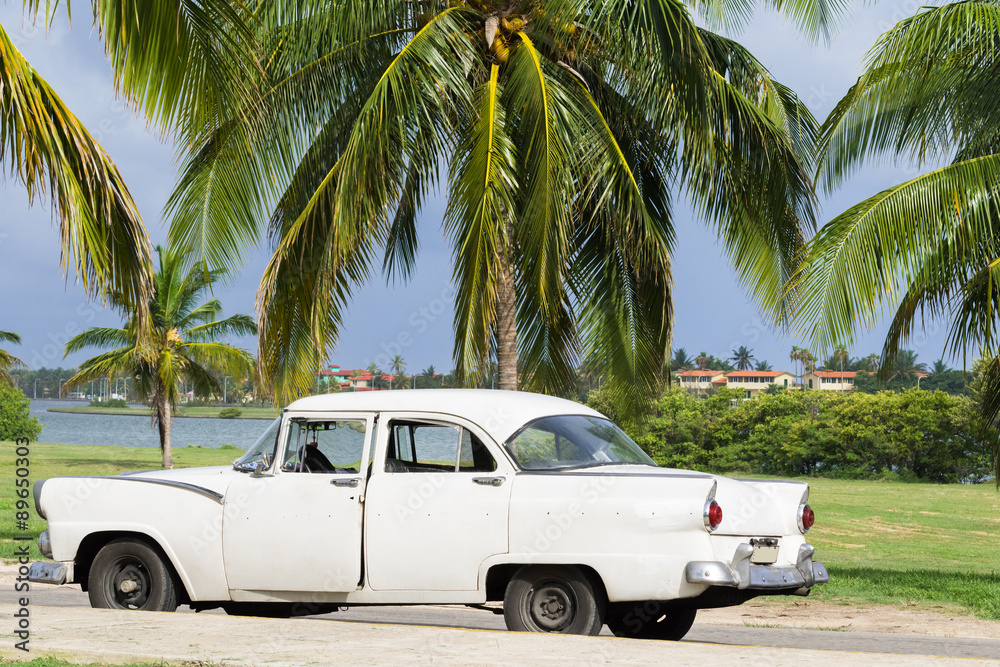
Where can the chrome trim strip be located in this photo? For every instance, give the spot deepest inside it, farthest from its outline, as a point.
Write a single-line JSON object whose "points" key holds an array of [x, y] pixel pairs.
{"points": [[594, 471], [200, 490]]}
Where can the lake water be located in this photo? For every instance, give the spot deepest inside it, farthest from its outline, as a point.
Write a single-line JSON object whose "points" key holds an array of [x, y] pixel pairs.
{"points": [[129, 431]]}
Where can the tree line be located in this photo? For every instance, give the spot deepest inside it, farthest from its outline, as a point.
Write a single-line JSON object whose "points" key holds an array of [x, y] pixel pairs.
{"points": [[913, 435]]}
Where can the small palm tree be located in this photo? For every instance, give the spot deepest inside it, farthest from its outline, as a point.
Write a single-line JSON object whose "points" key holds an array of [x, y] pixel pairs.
{"points": [[841, 356], [762, 365], [743, 358], [7, 360], [795, 356], [703, 360], [681, 360], [906, 366], [939, 366], [181, 342], [396, 368], [872, 361]]}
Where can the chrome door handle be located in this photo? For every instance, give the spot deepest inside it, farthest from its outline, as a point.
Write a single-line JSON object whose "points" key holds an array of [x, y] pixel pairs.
{"points": [[489, 481], [346, 482]]}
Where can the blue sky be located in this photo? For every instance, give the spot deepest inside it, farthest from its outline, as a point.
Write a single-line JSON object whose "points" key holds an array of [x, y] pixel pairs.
{"points": [[713, 313]]}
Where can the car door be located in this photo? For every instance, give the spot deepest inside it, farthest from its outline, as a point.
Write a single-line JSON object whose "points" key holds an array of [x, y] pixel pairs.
{"points": [[298, 527], [436, 504]]}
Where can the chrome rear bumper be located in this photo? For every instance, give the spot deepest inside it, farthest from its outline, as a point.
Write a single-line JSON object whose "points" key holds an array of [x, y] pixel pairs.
{"points": [[742, 574]]}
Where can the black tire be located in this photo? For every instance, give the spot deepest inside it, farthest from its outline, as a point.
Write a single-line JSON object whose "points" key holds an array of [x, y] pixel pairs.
{"points": [[649, 620], [130, 574], [553, 599]]}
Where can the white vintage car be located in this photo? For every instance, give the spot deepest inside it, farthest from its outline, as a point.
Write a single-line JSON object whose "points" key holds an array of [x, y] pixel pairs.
{"points": [[427, 497]]}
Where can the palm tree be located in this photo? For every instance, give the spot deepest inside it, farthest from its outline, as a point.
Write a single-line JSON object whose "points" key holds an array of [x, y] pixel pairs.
{"points": [[796, 356], [762, 365], [565, 126], [928, 247], [7, 360], [841, 356], [743, 358], [396, 368], [180, 342], [905, 366], [703, 360], [940, 366], [681, 361], [808, 360], [378, 377], [872, 361]]}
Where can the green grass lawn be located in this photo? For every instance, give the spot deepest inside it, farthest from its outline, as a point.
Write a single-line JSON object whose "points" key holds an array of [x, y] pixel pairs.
{"points": [[248, 412], [898, 543], [922, 545]]}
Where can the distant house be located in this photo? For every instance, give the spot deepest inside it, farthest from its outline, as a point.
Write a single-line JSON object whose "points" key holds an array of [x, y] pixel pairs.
{"points": [[752, 383], [335, 374], [365, 382], [830, 380], [699, 379]]}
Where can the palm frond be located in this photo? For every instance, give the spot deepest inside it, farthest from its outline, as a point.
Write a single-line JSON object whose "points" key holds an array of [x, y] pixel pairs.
{"points": [[236, 325], [103, 241], [184, 64], [863, 259], [929, 85]]}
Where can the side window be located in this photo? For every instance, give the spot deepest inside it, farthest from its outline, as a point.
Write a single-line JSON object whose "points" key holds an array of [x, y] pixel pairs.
{"points": [[474, 456], [325, 446], [433, 447]]}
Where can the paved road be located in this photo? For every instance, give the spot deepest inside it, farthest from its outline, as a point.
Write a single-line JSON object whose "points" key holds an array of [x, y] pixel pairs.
{"points": [[462, 617]]}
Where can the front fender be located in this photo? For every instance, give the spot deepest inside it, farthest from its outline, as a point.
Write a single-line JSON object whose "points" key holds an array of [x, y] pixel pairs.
{"points": [[183, 519]]}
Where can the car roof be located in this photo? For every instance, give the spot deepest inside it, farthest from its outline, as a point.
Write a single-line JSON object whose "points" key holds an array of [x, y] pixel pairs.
{"points": [[499, 413]]}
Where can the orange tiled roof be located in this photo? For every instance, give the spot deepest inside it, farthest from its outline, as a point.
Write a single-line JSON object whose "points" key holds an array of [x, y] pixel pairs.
{"points": [[743, 374], [698, 372]]}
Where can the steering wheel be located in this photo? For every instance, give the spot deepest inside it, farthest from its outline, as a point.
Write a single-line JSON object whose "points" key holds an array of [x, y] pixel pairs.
{"points": [[314, 460]]}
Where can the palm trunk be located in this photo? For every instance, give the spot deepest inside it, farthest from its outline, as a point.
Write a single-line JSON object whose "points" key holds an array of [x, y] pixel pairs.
{"points": [[506, 326], [164, 421]]}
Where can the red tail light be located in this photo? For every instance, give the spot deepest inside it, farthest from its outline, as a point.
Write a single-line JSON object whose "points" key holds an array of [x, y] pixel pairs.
{"points": [[713, 515], [806, 518]]}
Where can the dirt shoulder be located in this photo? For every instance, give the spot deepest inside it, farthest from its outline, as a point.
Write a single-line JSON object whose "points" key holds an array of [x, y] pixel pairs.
{"points": [[846, 617]]}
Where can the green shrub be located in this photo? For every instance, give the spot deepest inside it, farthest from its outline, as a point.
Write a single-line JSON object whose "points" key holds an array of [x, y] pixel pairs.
{"points": [[15, 415], [907, 436], [230, 413], [110, 403]]}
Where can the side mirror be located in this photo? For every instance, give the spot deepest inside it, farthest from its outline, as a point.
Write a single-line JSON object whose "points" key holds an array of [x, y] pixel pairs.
{"points": [[258, 469]]}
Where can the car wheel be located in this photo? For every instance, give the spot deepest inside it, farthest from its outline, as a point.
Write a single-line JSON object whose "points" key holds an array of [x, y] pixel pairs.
{"points": [[553, 599], [129, 574], [648, 621]]}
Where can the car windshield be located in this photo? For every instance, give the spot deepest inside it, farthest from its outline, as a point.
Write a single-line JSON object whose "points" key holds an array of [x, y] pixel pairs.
{"points": [[262, 450], [574, 441]]}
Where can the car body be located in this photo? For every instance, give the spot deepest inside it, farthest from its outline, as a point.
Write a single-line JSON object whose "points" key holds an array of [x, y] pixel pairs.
{"points": [[434, 496]]}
